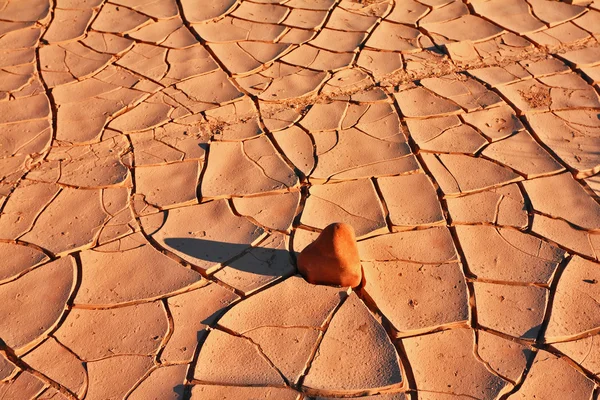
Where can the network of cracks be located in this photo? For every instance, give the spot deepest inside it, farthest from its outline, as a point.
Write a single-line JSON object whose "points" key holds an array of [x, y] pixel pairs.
{"points": [[163, 162]]}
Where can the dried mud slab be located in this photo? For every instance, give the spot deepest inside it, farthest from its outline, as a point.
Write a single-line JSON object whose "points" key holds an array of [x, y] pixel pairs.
{"points": [[169, 143], [411, 200], [552, 377], [580, 276], [504, 206], [453, 173], [64, 219], [25, 384], [271, 307], [417, 297], [259, 326], [289, 348], [350, 202], [445, 134], [59, 364], [574, 205], [435, 244], [135, 329], [562, 232], [19, 259], [571, 134], [357, 141], [135, 271], [502, 254], [268, 262], [420, 102], [585, 352], [241, 393], [517, 311], [86, 106], [238, 169], [185, 313], [513, 15], [7, 369], [95, 166], [356, 355], [115, 376], [297, 146], [469, 94], [179, 187], [353, 153], [164, 382], [385, 396], [523, 154], [33, 310], [69, 62], [247, 366], [202, 234], [551, 93], [495, 123], [514, 355], [275, 211], [455, 372]]}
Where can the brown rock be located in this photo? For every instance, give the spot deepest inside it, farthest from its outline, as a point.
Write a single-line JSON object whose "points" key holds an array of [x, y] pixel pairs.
{"points": [[333, 258]]}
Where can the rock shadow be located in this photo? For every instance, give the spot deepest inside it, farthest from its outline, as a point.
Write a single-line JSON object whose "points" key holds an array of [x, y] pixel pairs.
{"points": [[242, 257]]}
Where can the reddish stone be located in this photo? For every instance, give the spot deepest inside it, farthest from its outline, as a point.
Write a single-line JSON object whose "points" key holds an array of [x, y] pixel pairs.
{"points": [[333, 258]]}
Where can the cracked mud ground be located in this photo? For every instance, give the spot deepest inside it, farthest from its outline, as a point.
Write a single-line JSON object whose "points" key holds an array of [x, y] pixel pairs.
{"points": [[162, 163]]}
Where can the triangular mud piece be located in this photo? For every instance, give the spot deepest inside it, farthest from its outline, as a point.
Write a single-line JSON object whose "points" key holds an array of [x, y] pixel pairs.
{"points": [[355, 356]]}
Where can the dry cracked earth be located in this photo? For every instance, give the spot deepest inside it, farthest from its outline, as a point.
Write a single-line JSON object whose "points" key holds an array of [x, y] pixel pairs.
{"points": [[162, 162]]}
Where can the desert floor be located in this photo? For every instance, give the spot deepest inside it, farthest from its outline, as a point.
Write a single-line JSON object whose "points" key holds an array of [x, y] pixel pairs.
{"points": [[162, 163]]}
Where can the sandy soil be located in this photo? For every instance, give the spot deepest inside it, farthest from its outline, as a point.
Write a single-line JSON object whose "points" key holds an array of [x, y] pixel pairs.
{"points": [[163, 162]]}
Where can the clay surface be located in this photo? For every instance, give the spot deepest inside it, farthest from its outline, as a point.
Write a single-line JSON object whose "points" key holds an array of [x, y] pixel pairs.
{"points": [[170, 171]]}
